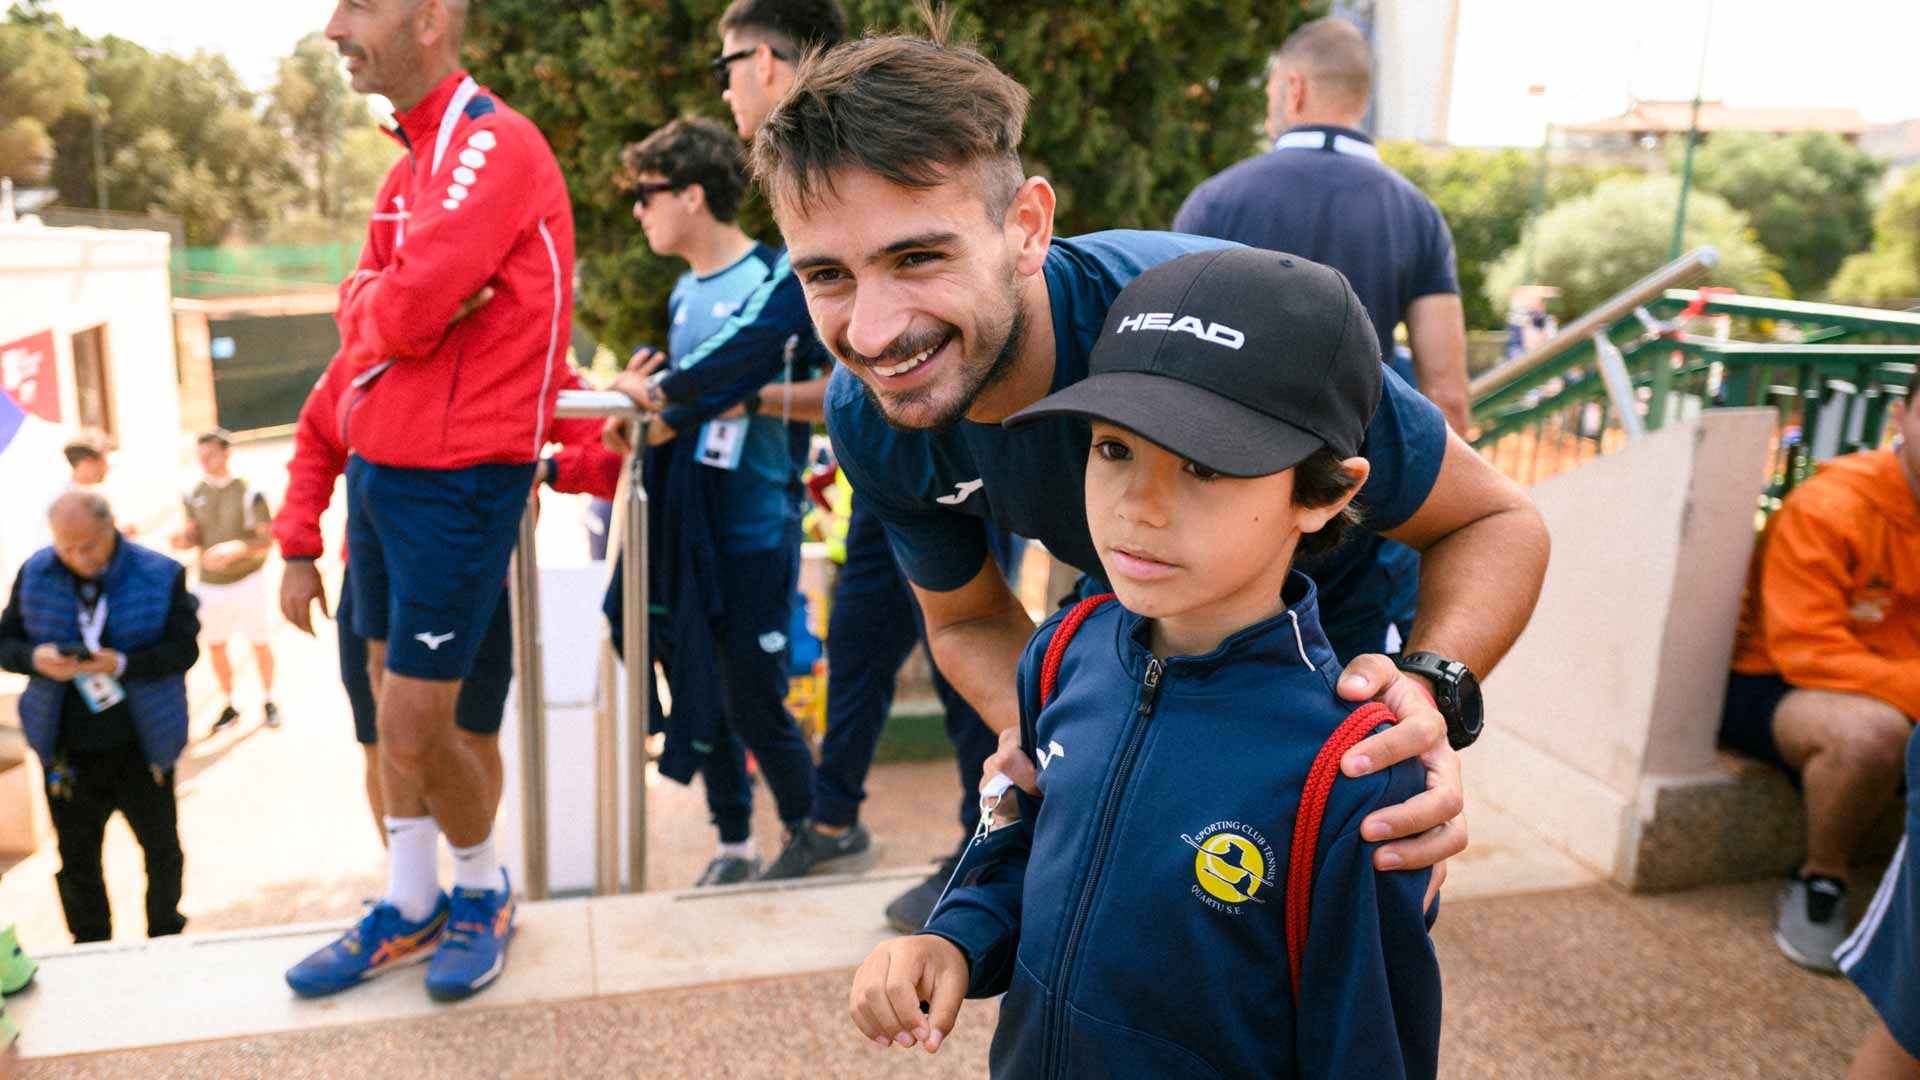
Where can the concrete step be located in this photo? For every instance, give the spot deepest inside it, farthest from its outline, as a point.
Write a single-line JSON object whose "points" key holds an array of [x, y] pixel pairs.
{"points": [[94, 999]]}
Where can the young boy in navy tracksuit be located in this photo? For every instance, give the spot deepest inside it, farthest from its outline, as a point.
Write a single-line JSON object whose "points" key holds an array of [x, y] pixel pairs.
{"points": [[1193, 899]]}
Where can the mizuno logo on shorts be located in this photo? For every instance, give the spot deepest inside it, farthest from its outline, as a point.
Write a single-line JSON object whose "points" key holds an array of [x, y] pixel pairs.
{"points": [[1187, 324], [433, 641]]}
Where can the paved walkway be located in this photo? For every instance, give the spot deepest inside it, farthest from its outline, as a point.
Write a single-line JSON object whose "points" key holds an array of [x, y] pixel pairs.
{"points": [[1547, 973], [1586, 982]]}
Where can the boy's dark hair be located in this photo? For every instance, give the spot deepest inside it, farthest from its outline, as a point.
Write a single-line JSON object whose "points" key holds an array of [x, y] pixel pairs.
{"points": [[1913, 388], [1317, 481], [792, 27], [690, 152], [217, 435], [83, 448], [913, 111]]}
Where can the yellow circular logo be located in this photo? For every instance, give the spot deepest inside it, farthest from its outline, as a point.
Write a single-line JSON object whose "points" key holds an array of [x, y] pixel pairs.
{"points": [[1229, 867]]}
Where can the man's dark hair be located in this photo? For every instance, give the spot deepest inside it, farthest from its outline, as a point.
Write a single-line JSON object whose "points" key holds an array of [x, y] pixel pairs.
{"points": [[1317, 481], [1913, 388], [84, 448], [690, 152], [912, 111], [217, 435], [793, 27]]}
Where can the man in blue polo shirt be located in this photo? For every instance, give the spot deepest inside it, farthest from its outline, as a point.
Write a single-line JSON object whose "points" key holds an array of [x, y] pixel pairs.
{"points": [[930, 270], [1322, 192]]}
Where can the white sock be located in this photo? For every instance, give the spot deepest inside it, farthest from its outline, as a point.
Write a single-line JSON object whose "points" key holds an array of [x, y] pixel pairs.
{"points": [[741, 850], [476, 867], [413, 878]]}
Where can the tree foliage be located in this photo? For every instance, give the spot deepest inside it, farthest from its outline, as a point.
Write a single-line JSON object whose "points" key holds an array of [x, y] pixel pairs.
{"points": [[181, 136], [1809, 196], [1134, 103], [1593, 246], [314, 108], [1487, 197], [40, 82], [1890, 270]]}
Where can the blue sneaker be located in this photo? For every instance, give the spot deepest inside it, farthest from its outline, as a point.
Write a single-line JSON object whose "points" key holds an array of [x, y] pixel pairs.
{"points": [[474, 953], [381, 941]]}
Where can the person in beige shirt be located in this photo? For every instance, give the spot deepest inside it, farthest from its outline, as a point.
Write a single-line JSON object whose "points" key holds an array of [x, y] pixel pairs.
{"points": [[232, 526]]}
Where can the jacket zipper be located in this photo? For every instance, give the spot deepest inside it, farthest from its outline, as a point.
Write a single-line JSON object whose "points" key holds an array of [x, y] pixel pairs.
{"points": [[1142, 714], [346, 421]]}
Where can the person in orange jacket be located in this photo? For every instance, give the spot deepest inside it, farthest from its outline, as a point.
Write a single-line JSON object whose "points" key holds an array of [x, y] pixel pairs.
{"points": [[1826, 666]]}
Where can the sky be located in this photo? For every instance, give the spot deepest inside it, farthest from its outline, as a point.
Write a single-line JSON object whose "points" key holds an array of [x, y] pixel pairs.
{"points": [[1590, 57]]}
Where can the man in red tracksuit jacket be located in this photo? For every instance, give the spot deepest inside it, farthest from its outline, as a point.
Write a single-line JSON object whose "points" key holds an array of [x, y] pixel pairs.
{"points": [[581, 466], [454, 329]]}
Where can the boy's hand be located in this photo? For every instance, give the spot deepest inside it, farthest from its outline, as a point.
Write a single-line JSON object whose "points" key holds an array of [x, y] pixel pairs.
{"points": [[896, 978], [224, 554], [637, 381], [1433, 818], [1013, 761]]}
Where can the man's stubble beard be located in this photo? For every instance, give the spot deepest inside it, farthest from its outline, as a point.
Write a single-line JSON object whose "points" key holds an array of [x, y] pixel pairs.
{"points": [[994, 374]]}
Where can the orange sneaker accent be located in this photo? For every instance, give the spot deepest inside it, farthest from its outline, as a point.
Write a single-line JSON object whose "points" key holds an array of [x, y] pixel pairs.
{"points": [[406, 944]]}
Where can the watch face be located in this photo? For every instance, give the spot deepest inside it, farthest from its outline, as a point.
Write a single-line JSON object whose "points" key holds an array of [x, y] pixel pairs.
{"points": [[1468, 691]]}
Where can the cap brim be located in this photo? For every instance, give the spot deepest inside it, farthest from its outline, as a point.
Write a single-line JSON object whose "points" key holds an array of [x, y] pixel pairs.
{"points": [[1197, 424]]}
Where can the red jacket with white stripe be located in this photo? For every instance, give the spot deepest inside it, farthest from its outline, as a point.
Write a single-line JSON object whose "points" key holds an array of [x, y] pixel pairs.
{"points": [[477, 201], [319, 457]]}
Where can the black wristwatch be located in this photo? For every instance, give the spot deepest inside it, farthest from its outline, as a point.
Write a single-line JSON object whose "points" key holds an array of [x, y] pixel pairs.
{"points": [[752, 403], [1455, 691]]}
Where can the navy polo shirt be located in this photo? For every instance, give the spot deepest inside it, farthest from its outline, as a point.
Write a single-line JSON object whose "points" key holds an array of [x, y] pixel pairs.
{"points": [[1322, 192], [935, 491]]}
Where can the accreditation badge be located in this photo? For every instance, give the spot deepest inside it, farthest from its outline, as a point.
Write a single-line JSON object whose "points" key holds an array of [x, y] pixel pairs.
{"points": [[722, 442], [100, 692]]}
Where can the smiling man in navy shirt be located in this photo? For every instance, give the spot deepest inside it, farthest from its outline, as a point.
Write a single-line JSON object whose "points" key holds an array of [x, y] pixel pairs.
{"points": [[931, 272]]}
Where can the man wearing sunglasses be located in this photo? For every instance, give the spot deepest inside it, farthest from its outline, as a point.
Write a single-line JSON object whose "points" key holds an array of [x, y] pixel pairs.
{"points": [[875, 622]]}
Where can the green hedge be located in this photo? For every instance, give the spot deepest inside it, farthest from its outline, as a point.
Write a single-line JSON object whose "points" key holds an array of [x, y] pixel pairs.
{"points": [[1135, 102]]}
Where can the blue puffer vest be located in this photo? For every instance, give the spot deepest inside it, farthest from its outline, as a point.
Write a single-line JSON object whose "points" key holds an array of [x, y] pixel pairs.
{"points": [[138, 586]]}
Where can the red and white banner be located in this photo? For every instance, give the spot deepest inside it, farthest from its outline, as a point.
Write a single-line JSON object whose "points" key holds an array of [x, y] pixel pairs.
{"points": [[29, 375]]}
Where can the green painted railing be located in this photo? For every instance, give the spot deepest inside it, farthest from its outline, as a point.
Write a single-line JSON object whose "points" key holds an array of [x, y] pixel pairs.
{"points": [[1828, 370], [261, 269]]}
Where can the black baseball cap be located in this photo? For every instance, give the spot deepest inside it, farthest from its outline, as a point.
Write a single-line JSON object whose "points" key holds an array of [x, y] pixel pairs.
{"points": [[1241, 360]]}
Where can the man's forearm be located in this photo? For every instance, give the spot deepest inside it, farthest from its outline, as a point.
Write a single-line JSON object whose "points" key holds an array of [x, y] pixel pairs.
{"points": [[980, 658], [1437, 335], [802, 401], [1478, 587]]}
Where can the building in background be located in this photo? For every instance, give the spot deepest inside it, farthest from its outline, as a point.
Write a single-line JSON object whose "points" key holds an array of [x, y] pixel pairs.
{"points": [[1413, 64], [1642, 135], [86, 341]]}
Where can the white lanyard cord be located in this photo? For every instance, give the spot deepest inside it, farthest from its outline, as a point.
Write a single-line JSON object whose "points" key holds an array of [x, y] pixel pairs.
{"points": [[93, 624]]}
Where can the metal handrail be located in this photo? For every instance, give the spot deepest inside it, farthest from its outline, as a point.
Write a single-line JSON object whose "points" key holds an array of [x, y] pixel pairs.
{"points": [[588, 404], [1601, 319]]}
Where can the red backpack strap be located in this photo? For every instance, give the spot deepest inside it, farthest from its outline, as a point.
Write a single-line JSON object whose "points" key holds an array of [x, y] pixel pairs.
{"points": [[1057, 648], [1306, 824]]}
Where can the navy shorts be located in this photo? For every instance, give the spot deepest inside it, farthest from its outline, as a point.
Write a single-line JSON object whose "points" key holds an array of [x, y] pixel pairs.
{"points": [[1746, 722], [430, 548], [483, 696], [1883, 955]]}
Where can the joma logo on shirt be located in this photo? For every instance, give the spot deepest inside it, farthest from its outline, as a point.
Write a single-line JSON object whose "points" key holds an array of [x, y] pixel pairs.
{"points": [[1186, 324]]}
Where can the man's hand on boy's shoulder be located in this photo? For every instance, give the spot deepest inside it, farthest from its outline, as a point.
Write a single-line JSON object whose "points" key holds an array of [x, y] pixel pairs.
{"points": [[896, 977], [1431, 827]]}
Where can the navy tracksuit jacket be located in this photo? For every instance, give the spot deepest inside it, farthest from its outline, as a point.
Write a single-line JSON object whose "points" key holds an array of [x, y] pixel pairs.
{"points": [[1143, 933]]}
